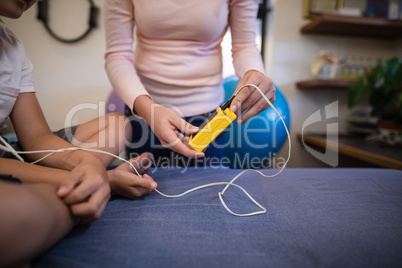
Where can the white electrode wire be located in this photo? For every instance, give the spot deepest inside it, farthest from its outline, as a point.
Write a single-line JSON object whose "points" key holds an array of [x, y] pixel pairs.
{"points": [[287, 132], [228, 184], [50, 152], [8, 148]]}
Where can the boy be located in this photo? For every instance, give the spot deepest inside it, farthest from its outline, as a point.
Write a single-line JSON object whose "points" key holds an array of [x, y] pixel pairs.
{"points": [[69, 185]]}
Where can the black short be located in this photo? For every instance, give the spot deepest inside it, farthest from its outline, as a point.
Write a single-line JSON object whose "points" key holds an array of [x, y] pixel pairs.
{"points": [[9, 178]]}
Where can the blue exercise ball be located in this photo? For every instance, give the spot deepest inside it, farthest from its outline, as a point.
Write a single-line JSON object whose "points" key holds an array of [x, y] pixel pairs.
{"points": [[254, 143]]}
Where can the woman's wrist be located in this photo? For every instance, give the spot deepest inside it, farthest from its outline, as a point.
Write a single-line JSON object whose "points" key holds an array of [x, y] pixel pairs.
{"points": [[142, 106]]}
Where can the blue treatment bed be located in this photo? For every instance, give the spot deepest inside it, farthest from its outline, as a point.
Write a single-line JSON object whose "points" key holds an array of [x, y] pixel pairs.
{"points": [[314, 218]]}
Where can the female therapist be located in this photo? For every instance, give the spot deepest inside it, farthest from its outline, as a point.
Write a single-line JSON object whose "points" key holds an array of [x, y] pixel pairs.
{"points": [[173, 77]]}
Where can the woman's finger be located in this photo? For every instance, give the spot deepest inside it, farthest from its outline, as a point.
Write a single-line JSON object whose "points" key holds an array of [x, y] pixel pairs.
{"points": [[174, 143]]}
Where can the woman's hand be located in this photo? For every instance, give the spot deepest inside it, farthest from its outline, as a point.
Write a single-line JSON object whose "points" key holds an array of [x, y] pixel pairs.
{"points": [[125, 182], [249, 99], [86, 189], [165, 123]]}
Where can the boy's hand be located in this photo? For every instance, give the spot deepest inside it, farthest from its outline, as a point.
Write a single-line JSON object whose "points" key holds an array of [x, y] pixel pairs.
{"points": [[86, 189], [125, 182]]}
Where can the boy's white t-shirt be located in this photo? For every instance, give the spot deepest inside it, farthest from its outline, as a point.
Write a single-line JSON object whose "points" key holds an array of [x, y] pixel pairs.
{"points": [[15, 72]]}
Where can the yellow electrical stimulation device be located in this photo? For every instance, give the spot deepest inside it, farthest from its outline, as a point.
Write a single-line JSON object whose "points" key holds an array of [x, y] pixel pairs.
{"points": [[212, 127]]}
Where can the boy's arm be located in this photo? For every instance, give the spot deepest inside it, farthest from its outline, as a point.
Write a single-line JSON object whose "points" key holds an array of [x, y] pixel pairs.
{"points": [[85, 188], [34, 134], [29, 173]]}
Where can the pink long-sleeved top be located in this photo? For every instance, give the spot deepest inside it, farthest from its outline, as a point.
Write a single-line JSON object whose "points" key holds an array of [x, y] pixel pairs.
{"points": [[178, 56]]}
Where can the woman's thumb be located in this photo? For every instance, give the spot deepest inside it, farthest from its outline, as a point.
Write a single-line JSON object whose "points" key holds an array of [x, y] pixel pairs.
{"points": [[187, 127]]}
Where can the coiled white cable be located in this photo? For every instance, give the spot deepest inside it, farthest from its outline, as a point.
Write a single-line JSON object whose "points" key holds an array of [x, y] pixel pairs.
{"points": [[8, 148]]}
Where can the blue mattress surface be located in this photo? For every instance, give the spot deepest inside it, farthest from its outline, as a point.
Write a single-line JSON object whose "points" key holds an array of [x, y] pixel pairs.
{"points": [[314, 218]]}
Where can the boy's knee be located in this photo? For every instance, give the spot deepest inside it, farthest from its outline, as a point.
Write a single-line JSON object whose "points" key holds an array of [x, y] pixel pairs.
{"points": [[26, 203], [35, 218]]}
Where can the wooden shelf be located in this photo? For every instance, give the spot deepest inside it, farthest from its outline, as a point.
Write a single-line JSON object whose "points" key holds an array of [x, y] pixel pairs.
{"points": [[322, 83], [354, 26]]}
